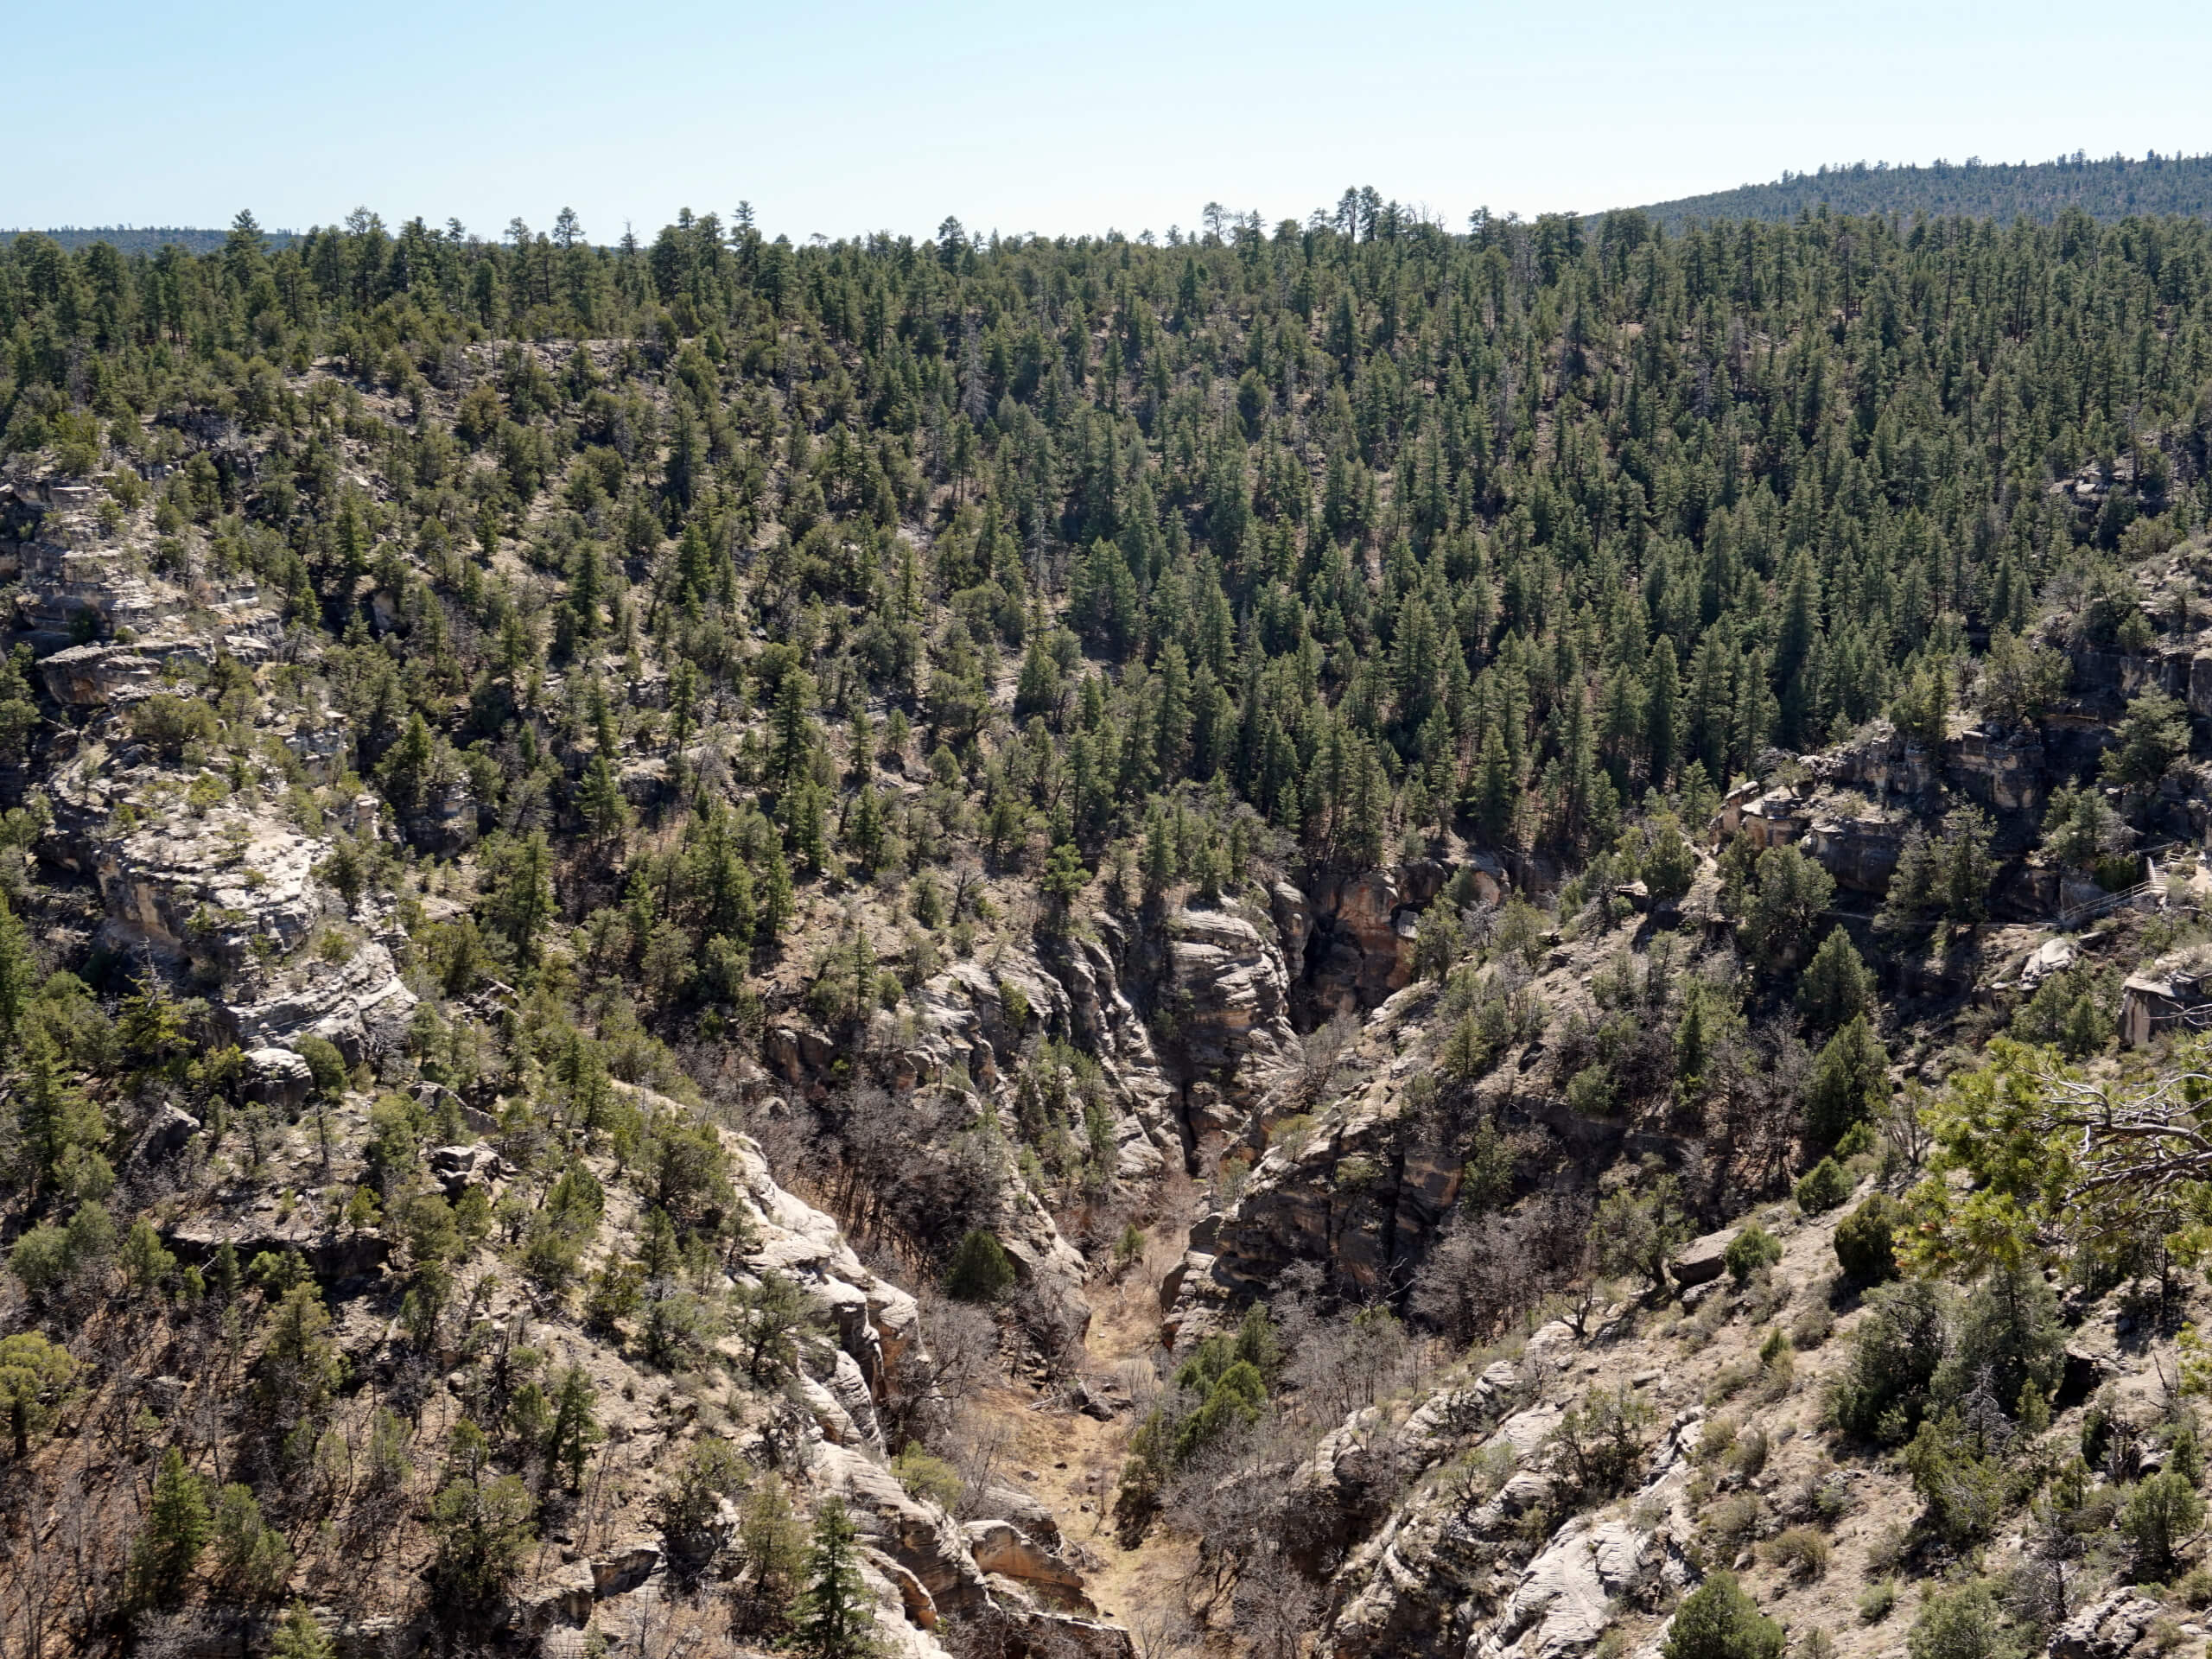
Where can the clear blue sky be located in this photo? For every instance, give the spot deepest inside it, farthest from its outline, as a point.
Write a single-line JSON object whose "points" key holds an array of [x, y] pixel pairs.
{"points": [[841, 117]]}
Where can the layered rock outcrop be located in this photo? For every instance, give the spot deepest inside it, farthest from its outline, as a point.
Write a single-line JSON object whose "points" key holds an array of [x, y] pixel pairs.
{"points": [[231, 895], [1365, 1195]]}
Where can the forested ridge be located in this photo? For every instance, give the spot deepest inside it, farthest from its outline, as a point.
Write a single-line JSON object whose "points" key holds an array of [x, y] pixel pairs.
{"points": [[1391, 520], [2107, 188], [1274, 823]]}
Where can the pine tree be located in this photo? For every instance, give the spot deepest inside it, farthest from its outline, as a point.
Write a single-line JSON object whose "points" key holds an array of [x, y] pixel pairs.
{"points": [[17, 971], [832, 1618], [1368, 810], [523, 900], [601, 803], [790, 731], [1836, 986], [54, 1116], [575, 1429], [685, 683], [1850, 1082], [1913, 885], [981, 1271], [865, 833], [1489, 801], [1158, 861], [2153, 734], [775, 901], [1967, 870], [1170, 719], [804, 831], [176, 1531], [1662, 713], [33, 1374]]}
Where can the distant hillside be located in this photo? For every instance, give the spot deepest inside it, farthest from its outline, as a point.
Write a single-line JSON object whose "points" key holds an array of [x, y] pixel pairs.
{"points": [[2112, 188], [143, 239]]}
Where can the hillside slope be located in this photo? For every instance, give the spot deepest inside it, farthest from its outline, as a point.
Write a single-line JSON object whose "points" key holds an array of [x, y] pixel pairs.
{"points": [[713, 944], [2111, 189]]}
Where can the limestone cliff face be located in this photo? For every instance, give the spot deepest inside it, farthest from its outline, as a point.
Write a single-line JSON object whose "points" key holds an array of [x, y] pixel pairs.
{"points": [[1350, 944], [231, 890], [1363, 1196], [83, 581]]}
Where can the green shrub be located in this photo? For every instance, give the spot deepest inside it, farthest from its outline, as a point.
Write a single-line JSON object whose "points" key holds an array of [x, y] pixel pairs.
{"points": [[981, 1271], [1968, 1623], [1822, 1187], [924, 1474], [168, 725], [1734, 1520], [1895, 1354], [1589, 1092], [1878, 1602], [483, 1529], [1812, 1327], [2162, 1512], [1718, 1621], [1964, 1491], [1799, 1551], [176, 1531], [1752, 1248], [1865, 1240], [328, 1065]]}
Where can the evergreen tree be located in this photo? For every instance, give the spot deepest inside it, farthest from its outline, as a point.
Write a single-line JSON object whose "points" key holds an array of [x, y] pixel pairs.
{"points": [[790, 730], [522, 903], [176, 1531], [601, 802], [575, 1429], [981, 1271], [1792, 892], [1490, 796], [1662, 713], [775, 911], [1850, 1082], [58, 1126], [831, 1618], [18, 970], [33, 1373], [1967, 867], [1718, 1621], [1836, 986], [2153, 734]]}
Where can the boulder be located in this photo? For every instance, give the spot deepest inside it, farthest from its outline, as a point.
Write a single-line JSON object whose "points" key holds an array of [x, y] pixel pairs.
{"points": [[2107, 1628], [1702, 1260], [2053, 955], [458, 1168], [1001, 1549], [166, 1135], [1560, 1604], [564, 1598]]}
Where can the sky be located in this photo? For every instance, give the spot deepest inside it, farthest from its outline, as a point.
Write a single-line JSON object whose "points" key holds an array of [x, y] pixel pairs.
{"points": [[837, 119]]}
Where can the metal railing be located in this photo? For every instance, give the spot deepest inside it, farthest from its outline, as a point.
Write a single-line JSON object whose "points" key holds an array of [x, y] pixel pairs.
{"points": [[2074, 917]]}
